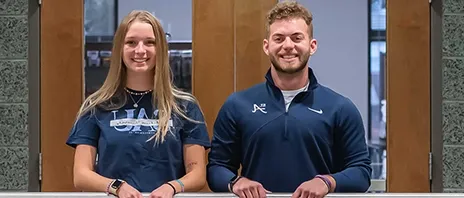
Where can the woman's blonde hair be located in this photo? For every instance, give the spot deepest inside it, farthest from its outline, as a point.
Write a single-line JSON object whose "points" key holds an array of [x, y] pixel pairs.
{"points": [[165, 96]]}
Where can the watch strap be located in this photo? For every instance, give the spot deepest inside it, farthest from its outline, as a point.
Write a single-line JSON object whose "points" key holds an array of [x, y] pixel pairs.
{"points": [[233, 181], [114, 186]]}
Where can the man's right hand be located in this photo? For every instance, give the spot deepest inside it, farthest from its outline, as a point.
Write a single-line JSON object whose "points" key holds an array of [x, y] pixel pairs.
{"points": [[127, 191], [245, 188]]}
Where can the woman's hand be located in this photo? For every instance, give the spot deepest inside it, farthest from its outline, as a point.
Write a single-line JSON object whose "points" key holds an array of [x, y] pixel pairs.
{"points": [[164, 191], [127, 191]]}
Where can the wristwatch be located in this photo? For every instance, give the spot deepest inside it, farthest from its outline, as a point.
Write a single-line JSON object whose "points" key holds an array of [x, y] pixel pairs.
{"points": [[114, 186], [233, 181]]}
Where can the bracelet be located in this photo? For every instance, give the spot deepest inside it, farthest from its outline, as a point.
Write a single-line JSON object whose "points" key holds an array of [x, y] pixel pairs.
{"points": [[325, 180], [108, 188], [173, 188], [181, 185], [233, 181]]}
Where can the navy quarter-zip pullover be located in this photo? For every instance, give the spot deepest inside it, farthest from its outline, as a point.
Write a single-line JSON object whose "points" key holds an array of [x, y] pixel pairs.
{"points": [[321, 133]]}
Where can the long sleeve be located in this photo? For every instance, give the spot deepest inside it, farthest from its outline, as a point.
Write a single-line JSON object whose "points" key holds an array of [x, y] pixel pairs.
{"points": [[355, 174], [224, 157]]}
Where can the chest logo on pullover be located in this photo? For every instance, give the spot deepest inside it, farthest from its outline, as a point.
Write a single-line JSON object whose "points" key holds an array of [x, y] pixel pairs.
{"points": [[261, 107], [315, 111]]}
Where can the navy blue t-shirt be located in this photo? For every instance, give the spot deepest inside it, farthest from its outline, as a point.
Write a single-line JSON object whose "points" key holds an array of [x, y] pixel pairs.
{"points": [[120, 137]]}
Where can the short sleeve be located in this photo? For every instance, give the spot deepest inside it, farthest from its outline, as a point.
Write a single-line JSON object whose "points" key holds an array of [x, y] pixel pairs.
{"points": [[194, 131], [84, 131]]}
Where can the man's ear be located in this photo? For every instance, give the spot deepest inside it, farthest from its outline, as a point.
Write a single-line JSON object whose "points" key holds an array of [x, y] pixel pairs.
{"points": [[266, 46], [313, 46]]}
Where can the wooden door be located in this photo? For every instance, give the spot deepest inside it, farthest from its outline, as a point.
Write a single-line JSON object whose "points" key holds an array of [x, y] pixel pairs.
{"points": [[61, 37], [408, 95]]}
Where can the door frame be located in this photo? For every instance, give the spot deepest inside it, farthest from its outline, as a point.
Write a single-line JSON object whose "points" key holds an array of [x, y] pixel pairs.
{"points": [[436, 26], [34, 95]]}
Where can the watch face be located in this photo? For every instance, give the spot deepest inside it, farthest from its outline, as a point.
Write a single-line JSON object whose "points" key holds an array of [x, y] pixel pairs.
{"points": [[116, 184]]}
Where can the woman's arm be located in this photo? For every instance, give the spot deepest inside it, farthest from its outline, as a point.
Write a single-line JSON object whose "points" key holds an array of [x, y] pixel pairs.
{"points": [[195, 168], [85, 178]]}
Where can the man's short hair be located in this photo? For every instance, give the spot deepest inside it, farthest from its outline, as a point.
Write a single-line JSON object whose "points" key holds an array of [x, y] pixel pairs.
{"points": [[289, 10]]}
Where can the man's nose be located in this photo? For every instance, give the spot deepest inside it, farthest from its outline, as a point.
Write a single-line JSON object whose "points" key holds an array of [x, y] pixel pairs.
{"points": [[288, 43]]}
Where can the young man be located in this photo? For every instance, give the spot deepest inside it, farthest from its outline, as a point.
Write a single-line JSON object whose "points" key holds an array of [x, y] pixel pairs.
{"points": [[289, 134]]}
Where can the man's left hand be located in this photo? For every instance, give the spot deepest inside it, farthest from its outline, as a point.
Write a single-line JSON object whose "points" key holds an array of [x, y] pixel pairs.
{"points": [[315, 188]]}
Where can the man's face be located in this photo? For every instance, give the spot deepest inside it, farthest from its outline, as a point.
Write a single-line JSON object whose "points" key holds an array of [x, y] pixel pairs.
{"points": [[289, 46]]}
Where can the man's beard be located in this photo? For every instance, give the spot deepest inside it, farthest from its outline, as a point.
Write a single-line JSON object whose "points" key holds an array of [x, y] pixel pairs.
{"points": [[291, 70]]}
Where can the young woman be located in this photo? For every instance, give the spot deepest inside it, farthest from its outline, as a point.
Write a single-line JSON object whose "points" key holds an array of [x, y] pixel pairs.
{"points": [[149, 136]]}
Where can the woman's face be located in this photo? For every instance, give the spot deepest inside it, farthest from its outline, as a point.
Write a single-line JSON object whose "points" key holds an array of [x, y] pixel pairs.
{"points": [[139, 52]]}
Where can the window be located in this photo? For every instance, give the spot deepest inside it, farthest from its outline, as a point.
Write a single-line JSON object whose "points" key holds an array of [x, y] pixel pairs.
{"points": [[377, 103]]}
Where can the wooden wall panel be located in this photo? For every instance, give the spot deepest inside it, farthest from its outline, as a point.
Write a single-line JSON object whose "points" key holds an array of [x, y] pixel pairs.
{"points": [[408, 95], [213, 55], [251, 61], [61, 88]]}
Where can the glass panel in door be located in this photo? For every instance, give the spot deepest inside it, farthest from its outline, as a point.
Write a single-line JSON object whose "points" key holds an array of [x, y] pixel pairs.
{"points": [[102, 17]]}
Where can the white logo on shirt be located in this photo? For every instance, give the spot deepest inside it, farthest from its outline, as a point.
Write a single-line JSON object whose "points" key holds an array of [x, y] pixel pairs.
{"points": [[261, 107], [136, 122], [126, 121], [316, 111]]}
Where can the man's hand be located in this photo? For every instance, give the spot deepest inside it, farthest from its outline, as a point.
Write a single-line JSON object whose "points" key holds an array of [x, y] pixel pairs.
{"points": [[315, 188], [245, 188]]}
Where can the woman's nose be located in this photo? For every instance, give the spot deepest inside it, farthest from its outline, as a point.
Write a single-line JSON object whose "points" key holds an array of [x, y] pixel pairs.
{"points": [[140, 48]]}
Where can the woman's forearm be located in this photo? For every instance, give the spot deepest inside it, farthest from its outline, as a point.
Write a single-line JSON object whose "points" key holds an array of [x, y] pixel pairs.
{"points": [[90, 181], [195, 168], [192, 181], [85, 178]]}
